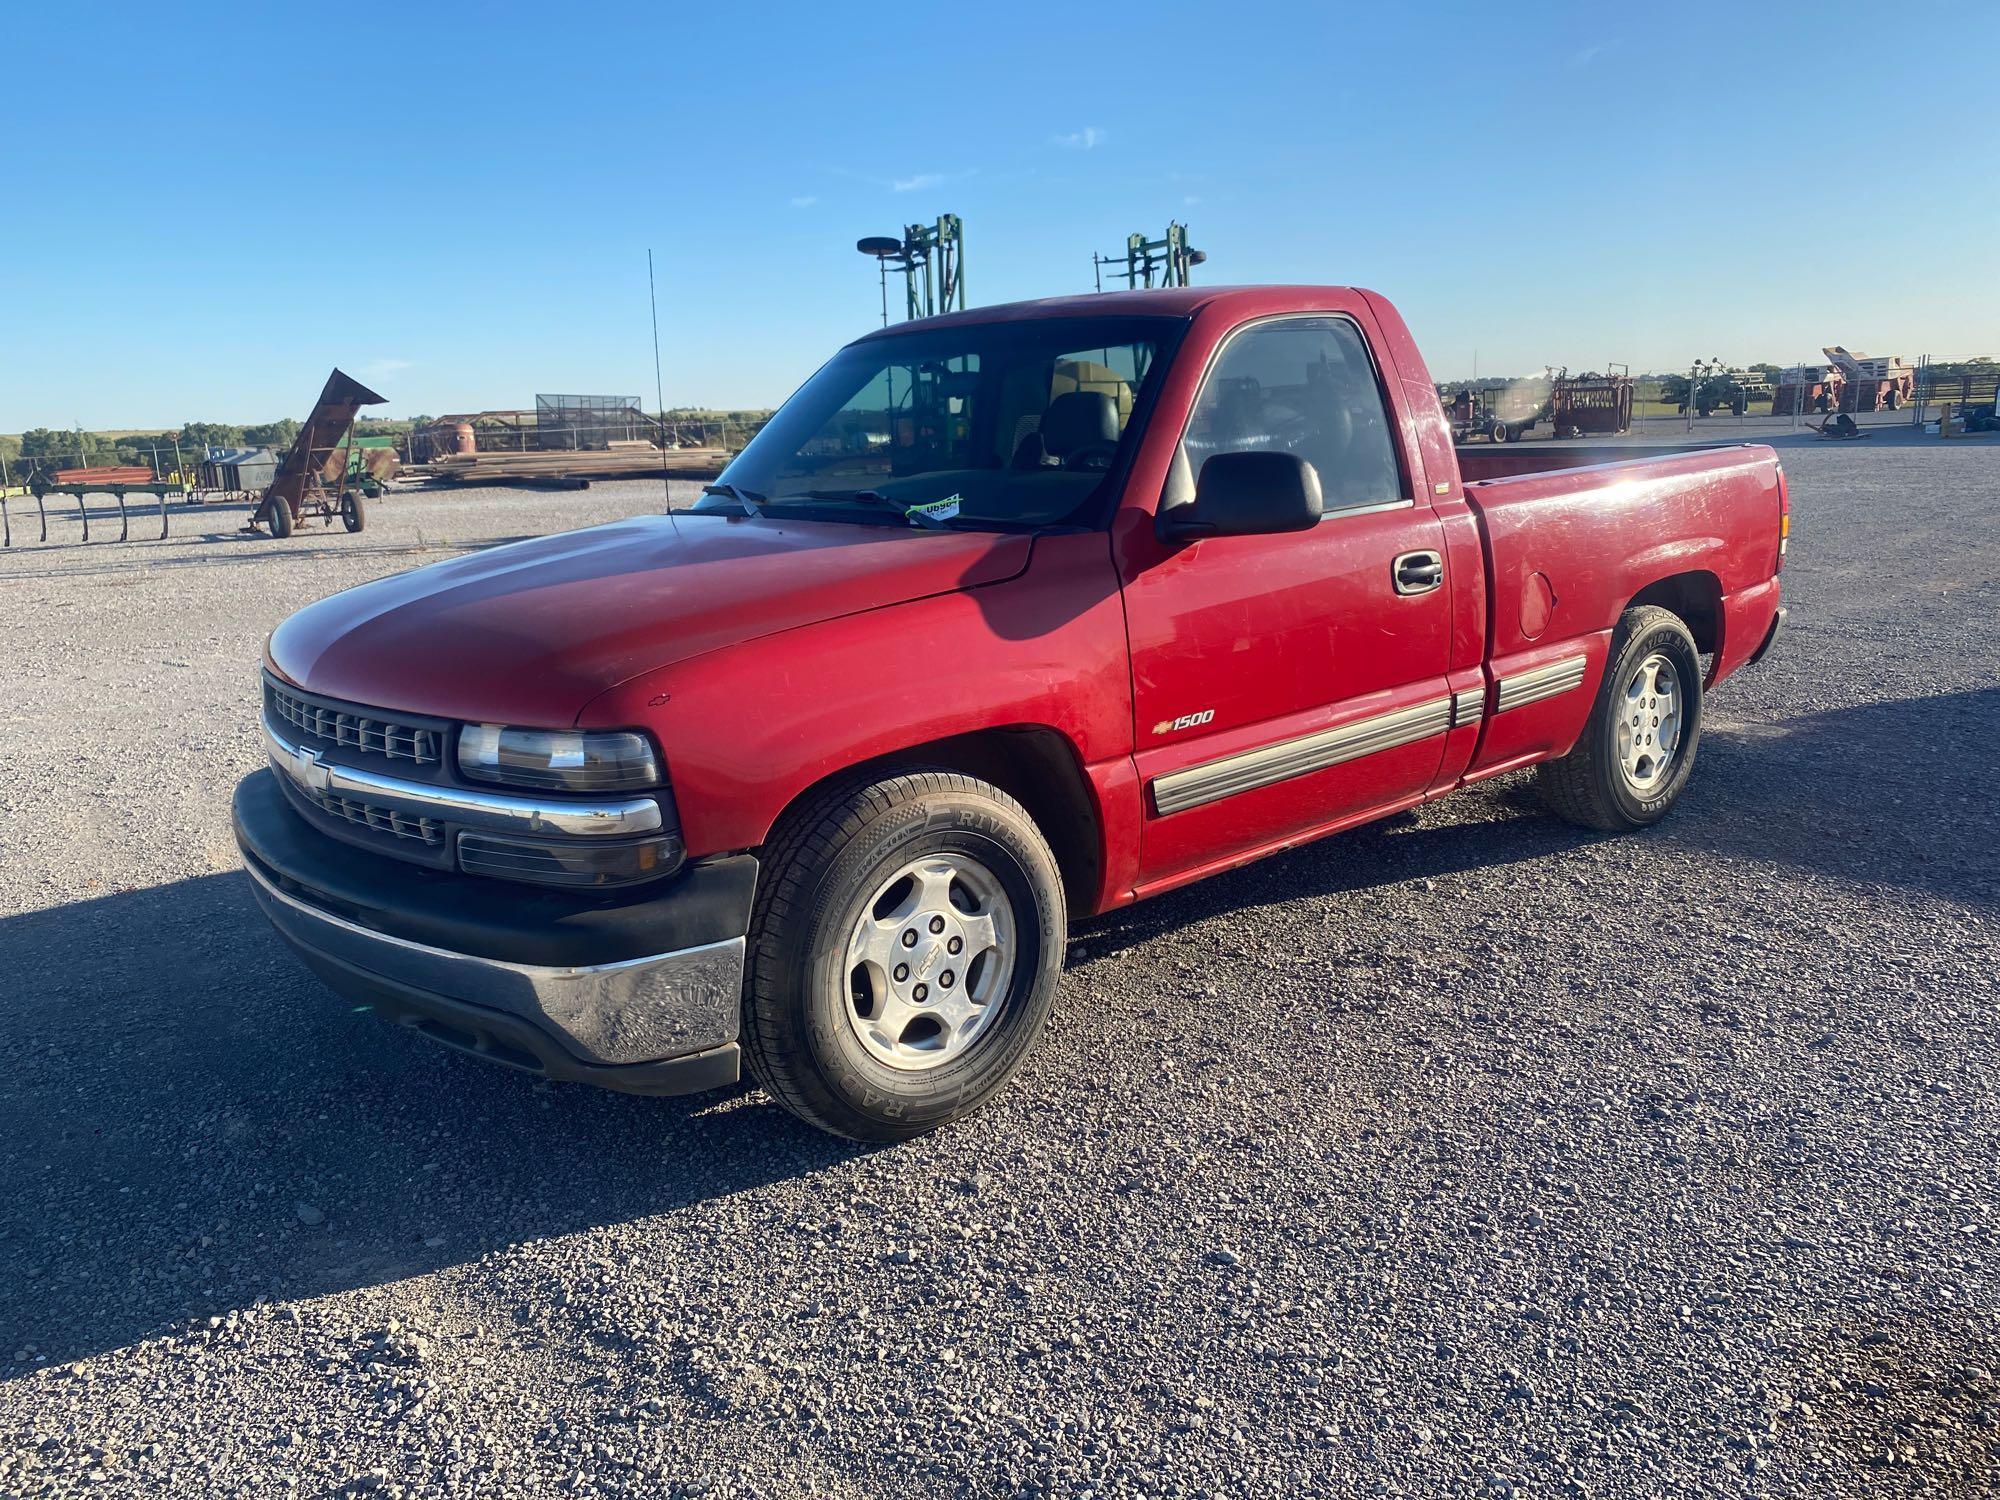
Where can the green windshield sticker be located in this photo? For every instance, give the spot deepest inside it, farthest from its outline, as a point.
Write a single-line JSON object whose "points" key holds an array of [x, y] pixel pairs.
{"points": [[935, 510]]}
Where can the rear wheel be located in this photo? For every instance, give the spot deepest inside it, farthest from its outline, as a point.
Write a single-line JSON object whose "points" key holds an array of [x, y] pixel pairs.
{"points": [[352, 516], [281, 519], [1633, 759], [904, 954]]}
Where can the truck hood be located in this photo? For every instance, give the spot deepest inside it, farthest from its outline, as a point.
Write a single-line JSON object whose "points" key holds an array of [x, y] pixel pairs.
{"points": [[530, 632]]}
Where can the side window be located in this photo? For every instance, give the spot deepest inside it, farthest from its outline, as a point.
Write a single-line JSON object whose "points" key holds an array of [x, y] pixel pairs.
{"points": [[1303, 386]]}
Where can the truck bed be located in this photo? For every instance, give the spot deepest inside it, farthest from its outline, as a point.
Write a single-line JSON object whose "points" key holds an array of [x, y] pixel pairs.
{"points": [[1492, 461], [1573, 535]]}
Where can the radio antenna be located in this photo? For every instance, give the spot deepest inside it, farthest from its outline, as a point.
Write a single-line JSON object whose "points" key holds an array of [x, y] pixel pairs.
{"points": [[660, 392]]}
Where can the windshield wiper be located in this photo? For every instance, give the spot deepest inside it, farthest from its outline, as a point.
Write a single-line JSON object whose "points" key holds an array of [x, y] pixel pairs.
{"points": [[858, 497], [748, 499], [876, 500]]}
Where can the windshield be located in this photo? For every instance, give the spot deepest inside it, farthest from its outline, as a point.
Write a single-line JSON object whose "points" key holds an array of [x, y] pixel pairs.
{"points": [[989, 425]]}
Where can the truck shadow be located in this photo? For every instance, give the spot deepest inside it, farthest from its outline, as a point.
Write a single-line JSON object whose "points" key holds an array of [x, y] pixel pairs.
{"points": [[179, 1084]]}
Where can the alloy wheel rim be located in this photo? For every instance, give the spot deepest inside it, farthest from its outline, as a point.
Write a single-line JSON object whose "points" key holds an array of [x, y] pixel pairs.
{"points": [[1650, 722], [930, 962]]}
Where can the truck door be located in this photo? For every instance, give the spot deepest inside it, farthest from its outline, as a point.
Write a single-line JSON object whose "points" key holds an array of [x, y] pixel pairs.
{"points": [[1285, 684]]}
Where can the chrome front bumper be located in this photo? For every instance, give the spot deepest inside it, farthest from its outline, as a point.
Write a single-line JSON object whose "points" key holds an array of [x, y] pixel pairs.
{"points": [[639, 991], [663, 1024]]}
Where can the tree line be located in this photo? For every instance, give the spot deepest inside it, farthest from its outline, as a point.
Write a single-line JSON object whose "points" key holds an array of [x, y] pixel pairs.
{"points": [[78, 448]]}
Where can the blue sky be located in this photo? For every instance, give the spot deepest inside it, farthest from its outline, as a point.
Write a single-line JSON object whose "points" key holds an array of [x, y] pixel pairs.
{"points": [[455, 203]]}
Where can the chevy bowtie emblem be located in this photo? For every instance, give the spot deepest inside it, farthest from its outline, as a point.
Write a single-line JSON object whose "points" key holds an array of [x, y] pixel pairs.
{"points": [[309, 771], [1185, 721]]}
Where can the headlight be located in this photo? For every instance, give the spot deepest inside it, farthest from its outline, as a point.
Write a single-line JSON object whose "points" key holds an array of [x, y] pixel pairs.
{"points": [[565, 760]]}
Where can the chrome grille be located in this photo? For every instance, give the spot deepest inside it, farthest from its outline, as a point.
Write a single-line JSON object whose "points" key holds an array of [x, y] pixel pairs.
{"points": [[371, 734], [382, 819]]}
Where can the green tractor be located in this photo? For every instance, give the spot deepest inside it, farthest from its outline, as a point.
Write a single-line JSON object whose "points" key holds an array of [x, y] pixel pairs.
{"points": [[1717, 389]]}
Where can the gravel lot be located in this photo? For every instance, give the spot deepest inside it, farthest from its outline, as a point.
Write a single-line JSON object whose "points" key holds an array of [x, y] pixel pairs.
{"points": [[1466, 1155]]}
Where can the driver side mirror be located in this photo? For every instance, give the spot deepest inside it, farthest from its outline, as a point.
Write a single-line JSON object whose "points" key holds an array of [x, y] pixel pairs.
{"points": [[1246, 494]]}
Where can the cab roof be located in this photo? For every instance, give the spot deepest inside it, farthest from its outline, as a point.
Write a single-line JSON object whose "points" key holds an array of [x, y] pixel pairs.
{"points": [[1172, 302]]}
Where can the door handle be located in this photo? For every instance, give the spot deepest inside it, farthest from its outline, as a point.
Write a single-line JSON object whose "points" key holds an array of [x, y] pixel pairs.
{"points": [[1417, 572]]}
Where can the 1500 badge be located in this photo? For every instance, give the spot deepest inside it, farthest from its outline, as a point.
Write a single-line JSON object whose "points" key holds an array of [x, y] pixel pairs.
{"points": [[1185, 721]]}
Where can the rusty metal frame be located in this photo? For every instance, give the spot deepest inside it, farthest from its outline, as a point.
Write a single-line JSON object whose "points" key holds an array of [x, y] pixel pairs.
{"points": [[300, 483]]}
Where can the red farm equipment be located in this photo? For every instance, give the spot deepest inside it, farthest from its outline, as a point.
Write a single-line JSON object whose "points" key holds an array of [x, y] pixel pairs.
{"points": [[1591, 405], [1880, 384]]}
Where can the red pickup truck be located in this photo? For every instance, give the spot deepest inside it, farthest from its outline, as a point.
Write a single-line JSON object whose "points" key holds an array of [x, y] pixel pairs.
{"points": [[1005, 616]]}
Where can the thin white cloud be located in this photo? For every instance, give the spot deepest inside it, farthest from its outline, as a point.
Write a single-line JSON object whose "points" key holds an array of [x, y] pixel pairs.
{"points": [[1087, 139], [1588, 55], [1192, 200], [805, 200], [916, 182]]}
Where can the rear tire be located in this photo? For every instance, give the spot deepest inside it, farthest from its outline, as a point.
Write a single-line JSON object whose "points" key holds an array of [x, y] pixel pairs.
{"points": [[352, 514], [281, 519], [885, 909], [1634, 757]]}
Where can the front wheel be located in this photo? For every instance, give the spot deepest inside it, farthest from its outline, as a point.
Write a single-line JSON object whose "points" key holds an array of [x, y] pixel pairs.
{"points": [[352, 515], [904, 953], [1634, 757]]}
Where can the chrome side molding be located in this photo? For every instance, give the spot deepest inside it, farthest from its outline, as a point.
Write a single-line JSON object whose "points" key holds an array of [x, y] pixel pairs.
{"points": [[317, 776], [1537, 683], [1467, 704], [1178, 791]]}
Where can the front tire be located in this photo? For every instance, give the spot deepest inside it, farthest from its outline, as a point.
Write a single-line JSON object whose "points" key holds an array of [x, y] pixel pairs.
{"points": [[1634, 757], [904, 952]]}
